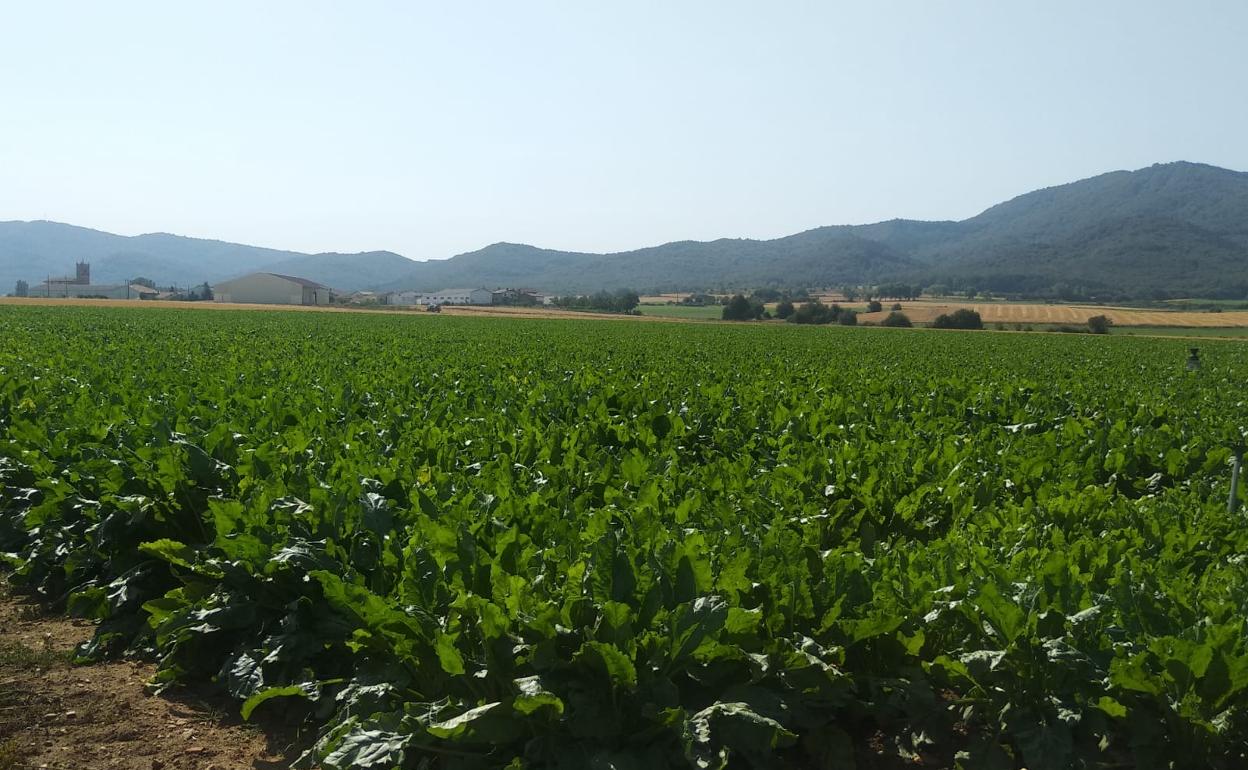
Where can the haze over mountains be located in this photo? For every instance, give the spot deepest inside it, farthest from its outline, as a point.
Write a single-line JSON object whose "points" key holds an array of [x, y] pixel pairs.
{"points": [[1169, 229]]}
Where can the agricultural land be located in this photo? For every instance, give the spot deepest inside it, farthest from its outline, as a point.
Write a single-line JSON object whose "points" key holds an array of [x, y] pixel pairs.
{"points": [[472, 543]]}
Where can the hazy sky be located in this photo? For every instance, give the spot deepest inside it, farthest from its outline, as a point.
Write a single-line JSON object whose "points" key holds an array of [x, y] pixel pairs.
{"points": [[436, 128]]}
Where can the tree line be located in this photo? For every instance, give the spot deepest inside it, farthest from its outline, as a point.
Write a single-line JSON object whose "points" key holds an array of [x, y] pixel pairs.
{"points": [[620, 301]]}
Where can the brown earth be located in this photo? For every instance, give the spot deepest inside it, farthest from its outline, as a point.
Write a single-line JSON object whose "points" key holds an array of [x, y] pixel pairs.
{"points": [[60, 716]]}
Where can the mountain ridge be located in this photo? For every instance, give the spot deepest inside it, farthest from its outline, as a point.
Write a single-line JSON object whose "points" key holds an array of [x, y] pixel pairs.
{"points": [[1169, 228]]}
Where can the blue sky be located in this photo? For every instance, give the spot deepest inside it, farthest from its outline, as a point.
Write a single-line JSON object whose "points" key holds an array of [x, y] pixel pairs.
{"points": [[436, 128]]}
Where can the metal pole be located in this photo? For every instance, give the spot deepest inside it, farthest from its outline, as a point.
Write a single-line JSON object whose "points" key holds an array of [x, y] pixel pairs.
{"points": [[1232, 502]]}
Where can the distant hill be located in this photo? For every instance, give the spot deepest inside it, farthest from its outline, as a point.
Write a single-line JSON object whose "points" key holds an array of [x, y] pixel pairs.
{"points": [[31, 251], [1170, 229], [1176, 227], [345, 272], [818, 257]]}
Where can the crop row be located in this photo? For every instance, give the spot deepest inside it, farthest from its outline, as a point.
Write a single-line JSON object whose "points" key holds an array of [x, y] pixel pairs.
{"points": [[463, 543]]}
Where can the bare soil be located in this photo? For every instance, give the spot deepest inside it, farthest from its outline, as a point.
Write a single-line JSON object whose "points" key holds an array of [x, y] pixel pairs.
{"points": [[56, 715]]}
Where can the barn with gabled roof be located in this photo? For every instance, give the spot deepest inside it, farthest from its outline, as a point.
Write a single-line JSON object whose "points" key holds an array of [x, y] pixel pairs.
{"points": [[272, 289]]}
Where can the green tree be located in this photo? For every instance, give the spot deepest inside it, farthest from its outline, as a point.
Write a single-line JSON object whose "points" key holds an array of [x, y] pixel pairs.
{"points": [[962, 318], [815, 312], [22, 289], [897, 319], [1099, 324], [784, 309], [741, 309], [621, 301], [897, 290], [874, 306]]}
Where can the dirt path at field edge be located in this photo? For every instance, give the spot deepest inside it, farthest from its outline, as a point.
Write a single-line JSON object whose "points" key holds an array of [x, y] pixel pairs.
{"points": [[56, 715]]}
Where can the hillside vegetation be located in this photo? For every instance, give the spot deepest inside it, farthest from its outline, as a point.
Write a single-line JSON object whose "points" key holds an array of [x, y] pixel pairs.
{"points": [[1177, 229]]}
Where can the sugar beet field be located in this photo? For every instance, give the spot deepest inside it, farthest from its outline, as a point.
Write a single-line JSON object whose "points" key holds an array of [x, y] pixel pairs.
{"points": [[476, 543]]}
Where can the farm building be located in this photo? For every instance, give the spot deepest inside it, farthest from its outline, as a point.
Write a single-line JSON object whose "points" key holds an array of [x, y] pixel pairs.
{"points": [[63, 286], [457, 297], [366, 297], [272, 289], [520, 297], [79, 285], [111, 291], [404, 298], [60, 287]]}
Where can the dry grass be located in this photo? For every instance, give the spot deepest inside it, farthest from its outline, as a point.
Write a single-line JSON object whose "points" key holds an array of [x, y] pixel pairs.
{"points": [[61, 302], [10, 755], [925, 311], [418, 312], [546, 312], [919, 311]]}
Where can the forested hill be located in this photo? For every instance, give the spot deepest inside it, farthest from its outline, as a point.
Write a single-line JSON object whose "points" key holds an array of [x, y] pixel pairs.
{"points": [[1175, 227], [1169, 229]]}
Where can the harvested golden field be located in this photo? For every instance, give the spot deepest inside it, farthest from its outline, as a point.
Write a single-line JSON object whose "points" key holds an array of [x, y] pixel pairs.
{"points": [[659, 299], [924, 311], [547, 312], [61, 301], [919, 311], [459, 310]]}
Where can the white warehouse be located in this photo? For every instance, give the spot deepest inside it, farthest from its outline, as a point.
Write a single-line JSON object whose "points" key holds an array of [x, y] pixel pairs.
{"points": [[272, 289], [457, 297], [404, 298]]}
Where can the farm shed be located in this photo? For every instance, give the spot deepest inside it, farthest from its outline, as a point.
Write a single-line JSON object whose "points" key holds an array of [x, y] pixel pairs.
{"points": [[458, 297], [105, 290], [272, 289], [405, 298]]}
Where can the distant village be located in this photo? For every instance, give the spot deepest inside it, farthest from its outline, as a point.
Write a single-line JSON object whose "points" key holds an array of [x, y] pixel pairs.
{"points": [[272, 289]]}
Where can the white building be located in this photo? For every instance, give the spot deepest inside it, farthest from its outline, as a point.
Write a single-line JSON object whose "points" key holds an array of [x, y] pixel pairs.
{"points": [[457, 297], [93, 290], [405, 298], [272, 289]]}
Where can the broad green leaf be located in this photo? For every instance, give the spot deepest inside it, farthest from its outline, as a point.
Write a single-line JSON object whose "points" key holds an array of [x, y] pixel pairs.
{"points": [[249, 705], [532, 696], [609, 660]]}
